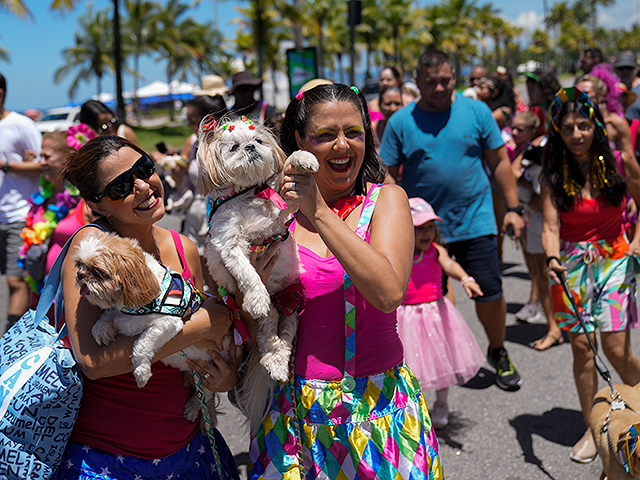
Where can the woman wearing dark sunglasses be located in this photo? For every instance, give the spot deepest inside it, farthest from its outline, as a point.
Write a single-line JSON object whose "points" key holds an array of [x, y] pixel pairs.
{"points": [[121, 426], [101, 120]]}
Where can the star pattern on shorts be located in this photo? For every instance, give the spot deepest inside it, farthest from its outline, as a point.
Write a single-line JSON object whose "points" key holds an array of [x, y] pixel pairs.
{"points": [[201, 449], [86, 448], [156, 462], [138, 477], [105, 471], [120, 458], [69, 463], [170, 477]]}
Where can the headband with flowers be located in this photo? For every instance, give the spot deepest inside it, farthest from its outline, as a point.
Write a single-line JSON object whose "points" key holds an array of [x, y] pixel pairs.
{"points": [[78, 135]]}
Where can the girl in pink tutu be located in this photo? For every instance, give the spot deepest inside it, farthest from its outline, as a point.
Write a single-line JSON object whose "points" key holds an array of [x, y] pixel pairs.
{"points": [[439, 347]]}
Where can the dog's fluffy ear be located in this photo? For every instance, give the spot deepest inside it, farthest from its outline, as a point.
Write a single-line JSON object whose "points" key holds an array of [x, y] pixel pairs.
{"points": [[139, 285], [278, 154], [212, 171]]}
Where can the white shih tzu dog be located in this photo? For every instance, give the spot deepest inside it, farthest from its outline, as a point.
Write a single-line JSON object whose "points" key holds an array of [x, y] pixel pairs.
{"points": [[140, 297], [241, 169]]}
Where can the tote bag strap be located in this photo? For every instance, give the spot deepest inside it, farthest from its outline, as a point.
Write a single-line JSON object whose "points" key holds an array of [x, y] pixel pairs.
{"points": [[52, 288]]}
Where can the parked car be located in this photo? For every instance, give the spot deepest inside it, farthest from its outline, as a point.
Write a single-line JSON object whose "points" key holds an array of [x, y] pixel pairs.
{"points": [[59, 118]]}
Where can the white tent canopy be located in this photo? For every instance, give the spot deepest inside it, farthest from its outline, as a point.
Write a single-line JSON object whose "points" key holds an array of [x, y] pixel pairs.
{"points": [[160, 88]]}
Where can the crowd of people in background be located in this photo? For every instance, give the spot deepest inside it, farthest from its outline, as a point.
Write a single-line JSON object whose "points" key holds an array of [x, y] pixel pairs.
{"points": [[553, 167]]}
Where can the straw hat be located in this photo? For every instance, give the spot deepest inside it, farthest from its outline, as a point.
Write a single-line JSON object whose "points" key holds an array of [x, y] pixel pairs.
{"points": [[212, 85]]}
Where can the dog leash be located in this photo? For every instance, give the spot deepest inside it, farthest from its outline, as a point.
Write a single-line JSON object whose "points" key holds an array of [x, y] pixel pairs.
{"points": [[206, 417], [617, 402]]}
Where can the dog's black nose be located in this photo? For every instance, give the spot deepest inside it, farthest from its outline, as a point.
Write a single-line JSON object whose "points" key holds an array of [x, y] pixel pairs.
{"points": [[250, 148]]}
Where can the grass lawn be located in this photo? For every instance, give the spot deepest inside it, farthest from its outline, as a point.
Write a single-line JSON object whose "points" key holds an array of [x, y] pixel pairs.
{"points": [[173, 137]]}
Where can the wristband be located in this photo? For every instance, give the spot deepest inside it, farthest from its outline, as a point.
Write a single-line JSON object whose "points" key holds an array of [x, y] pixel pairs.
{"points": [[548, 260], [519, 210], [467, 280], [6, 167]]}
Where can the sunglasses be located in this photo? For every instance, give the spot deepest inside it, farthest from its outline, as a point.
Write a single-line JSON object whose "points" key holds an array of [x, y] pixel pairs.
{"points": [[122, 186], [111, 123]]}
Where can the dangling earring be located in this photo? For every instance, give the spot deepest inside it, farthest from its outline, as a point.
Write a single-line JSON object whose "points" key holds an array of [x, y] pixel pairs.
{"points": [[569, 184], [598, 173]]}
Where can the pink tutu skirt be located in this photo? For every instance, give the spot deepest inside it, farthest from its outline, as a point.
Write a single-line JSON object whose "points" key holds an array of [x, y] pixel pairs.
{"points": [[439, 346]]}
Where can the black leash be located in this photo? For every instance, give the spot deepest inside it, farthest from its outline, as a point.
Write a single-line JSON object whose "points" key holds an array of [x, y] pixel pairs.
{"points": [[600, 366]]}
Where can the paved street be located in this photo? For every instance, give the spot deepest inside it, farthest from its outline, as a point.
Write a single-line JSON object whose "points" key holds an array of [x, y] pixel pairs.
{"points": [[493, 434]]}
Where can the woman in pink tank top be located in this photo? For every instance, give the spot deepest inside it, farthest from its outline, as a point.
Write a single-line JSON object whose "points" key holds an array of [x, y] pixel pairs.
{"points": [[122, 431], [355, 242], [583, 236]]}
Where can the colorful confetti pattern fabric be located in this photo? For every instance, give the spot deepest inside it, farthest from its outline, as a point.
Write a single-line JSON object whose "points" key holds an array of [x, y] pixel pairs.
{"points": [[380, 430], [602, 280]]}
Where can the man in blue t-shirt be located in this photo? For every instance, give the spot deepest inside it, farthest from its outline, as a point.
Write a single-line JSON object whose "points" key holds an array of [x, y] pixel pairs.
{"points": [[444, 141]]}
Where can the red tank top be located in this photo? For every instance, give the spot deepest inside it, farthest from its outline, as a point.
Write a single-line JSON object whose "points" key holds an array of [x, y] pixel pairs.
{"points": [[118, 417], [591, 219]]}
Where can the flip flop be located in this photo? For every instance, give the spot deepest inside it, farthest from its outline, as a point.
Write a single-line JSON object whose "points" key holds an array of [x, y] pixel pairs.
{"points": [[559, 340]]}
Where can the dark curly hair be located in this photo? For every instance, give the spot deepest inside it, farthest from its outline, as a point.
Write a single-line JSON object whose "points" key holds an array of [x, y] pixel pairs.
{"points": [[555, 152], [548, 81], [300, 111]]}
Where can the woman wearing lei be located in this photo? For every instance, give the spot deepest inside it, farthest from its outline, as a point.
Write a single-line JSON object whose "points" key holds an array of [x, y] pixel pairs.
{"points": [[57, 210]]}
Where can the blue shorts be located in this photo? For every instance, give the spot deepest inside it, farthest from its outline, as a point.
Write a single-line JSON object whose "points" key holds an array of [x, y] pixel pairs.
{"points": [[193, 462], [479, 258]]}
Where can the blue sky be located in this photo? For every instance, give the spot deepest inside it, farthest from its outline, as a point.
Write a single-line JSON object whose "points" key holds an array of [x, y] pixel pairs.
{"points": [[35, 46]]}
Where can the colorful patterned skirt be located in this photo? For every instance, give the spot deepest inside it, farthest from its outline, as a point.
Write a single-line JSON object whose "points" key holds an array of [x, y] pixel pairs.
{"points": [[380, 430], [602, 280]]}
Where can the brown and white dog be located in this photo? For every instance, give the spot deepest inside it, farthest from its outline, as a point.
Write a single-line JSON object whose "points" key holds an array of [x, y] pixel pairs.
{"points": [[116, 274], [620, 421]]}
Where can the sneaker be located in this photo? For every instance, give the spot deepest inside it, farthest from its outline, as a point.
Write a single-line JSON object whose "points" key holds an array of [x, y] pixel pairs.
{"points": [[439, 415], [507, 377], [531, 312]]}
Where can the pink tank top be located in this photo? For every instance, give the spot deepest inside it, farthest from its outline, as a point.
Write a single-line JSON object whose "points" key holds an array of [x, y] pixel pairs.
{"points": [[118, 417], [425, 284], [320, 351]]}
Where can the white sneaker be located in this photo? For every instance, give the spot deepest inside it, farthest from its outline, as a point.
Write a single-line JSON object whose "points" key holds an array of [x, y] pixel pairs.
{"points": [[531, 312], [439, 415]]}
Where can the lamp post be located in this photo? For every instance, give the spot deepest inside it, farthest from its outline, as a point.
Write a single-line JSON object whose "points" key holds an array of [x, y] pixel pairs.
{"points": [[355, 18]]}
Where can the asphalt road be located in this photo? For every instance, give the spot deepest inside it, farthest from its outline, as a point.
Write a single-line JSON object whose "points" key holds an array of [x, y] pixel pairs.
{"points": [[493, 434]]}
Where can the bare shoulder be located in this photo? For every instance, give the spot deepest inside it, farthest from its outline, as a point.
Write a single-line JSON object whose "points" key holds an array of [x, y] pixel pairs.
{"points": [[394, 194]]}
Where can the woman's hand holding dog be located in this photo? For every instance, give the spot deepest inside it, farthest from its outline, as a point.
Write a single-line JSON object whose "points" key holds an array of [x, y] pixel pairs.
{"points": [[219, 318], [218, 375], [300, 189]]}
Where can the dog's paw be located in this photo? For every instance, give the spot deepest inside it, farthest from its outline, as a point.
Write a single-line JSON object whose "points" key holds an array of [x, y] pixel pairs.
{"points": [[304, 160], [256, 303], [192, 409], [142, 373], [276, 363], [104, 332]]}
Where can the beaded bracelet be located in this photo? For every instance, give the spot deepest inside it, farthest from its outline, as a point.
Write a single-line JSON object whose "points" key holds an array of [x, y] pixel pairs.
{"points": [[467, 280]]}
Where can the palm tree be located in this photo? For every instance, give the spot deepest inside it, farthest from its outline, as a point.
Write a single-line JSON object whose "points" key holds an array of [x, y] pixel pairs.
{"points": [[170, 45], [139, 36], [91, 55]]}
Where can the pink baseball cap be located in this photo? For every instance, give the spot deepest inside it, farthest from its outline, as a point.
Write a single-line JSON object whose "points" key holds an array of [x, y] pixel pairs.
{"points": [[422, 212]]}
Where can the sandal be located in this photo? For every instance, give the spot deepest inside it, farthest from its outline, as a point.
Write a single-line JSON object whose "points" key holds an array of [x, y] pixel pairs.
{"points": [[547, 342]]}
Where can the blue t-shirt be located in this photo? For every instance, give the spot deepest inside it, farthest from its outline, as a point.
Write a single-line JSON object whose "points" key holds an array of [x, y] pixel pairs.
{"points": [[442, 157]]}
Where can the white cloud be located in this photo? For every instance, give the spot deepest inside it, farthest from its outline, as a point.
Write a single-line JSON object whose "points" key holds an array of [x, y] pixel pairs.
{"points": [[622, 14], [529, 20]]}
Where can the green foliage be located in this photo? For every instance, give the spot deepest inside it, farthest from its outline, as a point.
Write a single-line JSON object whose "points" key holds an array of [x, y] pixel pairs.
{"points": [[173, 136]]}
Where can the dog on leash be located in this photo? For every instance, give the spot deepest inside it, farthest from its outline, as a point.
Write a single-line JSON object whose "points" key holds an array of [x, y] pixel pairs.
{"points": [[141, 297], [241, 169], [618, 442]]}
